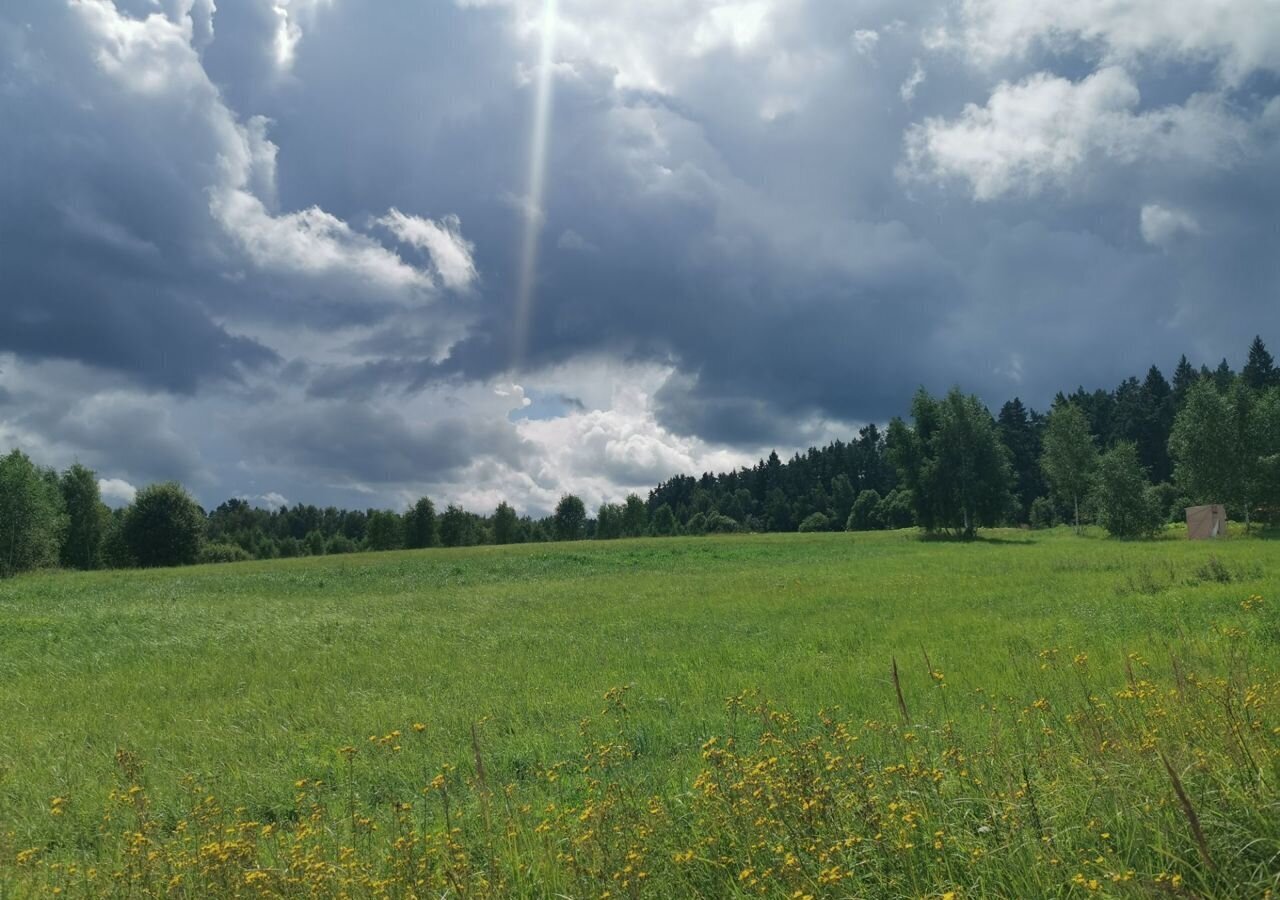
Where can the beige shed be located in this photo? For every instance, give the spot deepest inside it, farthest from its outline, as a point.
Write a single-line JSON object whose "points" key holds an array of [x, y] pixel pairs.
{"points": [[1205, 522]]}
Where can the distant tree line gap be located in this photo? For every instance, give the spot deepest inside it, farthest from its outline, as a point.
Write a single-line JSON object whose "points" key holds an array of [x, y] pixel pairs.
{"points": [[1128, 459]]}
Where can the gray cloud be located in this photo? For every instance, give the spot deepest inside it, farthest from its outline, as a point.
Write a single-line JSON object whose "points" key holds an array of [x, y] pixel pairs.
{"points": [[315, 244]]}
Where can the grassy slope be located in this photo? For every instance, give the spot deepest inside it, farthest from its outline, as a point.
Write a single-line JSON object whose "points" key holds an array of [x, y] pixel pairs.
{"points": [[250, 675]]}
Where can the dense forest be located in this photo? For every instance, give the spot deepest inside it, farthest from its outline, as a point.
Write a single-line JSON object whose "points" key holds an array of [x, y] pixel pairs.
{"points": [[1129, 459]]}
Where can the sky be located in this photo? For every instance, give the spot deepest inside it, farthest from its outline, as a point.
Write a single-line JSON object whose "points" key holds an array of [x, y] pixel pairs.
{"points": [[353, 252]]}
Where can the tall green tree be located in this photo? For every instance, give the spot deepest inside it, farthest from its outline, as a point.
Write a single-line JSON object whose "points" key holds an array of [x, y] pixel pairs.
{"points": [[635, 517], [32, 519], [504, 524], [1223, 376], [164, 526], [420, 525], [455, 527], [384, 531], [664, 521], [843, 496], [86, 518], [1155, 422], [609, 522], [1260, 371], [953, 463], [1121, 495], [570, 519], [1070, 455], [1020, 433], [1222, 444], [1184, 376]]}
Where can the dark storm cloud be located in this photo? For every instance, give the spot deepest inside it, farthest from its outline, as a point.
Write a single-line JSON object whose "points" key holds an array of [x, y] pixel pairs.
{"points": [[750, 218], [354, 442], [102, 235]]}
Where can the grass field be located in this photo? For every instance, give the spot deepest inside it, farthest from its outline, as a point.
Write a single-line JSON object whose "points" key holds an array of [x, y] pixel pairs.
{"points": [[412, 724]]}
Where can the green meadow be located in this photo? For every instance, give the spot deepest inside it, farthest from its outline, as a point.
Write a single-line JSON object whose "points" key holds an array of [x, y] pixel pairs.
{"points": [[317, 699]]}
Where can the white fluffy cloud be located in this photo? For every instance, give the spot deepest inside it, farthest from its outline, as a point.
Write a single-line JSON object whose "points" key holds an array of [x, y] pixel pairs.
{"points": [[1042, 131], [155, 59], [1162, 226], [451, 253], [1240, 36], [116, 491]]}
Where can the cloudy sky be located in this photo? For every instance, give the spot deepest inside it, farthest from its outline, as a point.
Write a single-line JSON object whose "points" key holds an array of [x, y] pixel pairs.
{"points": [[350, 252]]}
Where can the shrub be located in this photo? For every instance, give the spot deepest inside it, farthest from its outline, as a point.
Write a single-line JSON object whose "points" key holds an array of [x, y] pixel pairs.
{"points": [[697, 524], [815, 522], [315, 543], [223, 553], [717, 523], [340, 543], [897, 509]]}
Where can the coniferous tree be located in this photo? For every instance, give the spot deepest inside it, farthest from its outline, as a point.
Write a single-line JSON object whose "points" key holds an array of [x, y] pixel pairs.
{"points": [[1184, 376], [1223, 376], [1020, 434], [1260, 371], [1154, 426]]}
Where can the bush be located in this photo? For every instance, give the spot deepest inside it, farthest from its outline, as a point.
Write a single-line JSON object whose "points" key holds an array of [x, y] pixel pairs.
{"points": [[340, 543], [718, 523], [697, 524], [223, 553], [1043, 513], [315, 543], [897, 509], [815, 522]]}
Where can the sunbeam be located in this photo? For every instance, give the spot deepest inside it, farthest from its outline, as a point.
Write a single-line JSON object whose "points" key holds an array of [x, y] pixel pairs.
{"points": [[538, 140]]}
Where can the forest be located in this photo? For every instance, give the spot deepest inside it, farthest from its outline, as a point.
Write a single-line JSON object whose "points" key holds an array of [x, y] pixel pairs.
{"points": [[1128, 459]]}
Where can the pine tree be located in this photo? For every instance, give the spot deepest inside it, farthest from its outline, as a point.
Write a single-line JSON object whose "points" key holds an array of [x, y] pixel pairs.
{"points": [[1184, 376], [1223, 376], [1260, 371], [1021, 436]]}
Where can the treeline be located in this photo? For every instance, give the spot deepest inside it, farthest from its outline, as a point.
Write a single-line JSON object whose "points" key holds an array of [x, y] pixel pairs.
{"points": [[1129, 459]]}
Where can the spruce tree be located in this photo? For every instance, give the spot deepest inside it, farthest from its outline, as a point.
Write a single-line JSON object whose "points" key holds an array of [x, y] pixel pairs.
{"points": [[1260, 371]]}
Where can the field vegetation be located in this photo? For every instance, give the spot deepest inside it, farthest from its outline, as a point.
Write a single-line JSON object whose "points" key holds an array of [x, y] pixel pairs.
{"points": [[1031, 714]]}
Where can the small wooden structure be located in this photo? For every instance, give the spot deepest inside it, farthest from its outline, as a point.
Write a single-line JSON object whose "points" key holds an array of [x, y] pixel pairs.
{"points": [[1205, 522]]}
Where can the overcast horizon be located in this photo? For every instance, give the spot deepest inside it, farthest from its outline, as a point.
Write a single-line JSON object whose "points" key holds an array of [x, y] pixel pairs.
{"points": [[352, 253]]}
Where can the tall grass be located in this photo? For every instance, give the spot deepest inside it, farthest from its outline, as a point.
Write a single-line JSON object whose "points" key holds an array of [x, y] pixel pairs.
{"points": [[917, 720]]}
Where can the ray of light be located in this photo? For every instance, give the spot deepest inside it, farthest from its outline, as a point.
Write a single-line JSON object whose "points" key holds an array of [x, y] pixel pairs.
{"points": [[538, 141]]}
